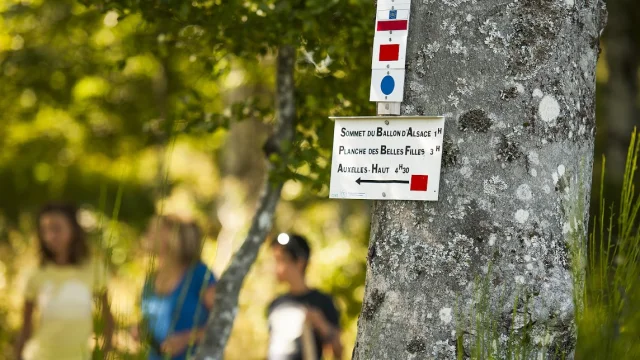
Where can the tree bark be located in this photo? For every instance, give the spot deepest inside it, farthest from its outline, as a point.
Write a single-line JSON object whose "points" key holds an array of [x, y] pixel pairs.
{"points": [[228, 288], [516, 81]]}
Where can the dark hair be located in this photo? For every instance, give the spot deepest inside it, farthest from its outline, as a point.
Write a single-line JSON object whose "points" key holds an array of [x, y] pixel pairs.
{"points": [[297, 247], [78, 249]]}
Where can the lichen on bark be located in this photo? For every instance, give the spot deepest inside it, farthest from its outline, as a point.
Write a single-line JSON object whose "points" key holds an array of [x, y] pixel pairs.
{"points": [[516, 81]]}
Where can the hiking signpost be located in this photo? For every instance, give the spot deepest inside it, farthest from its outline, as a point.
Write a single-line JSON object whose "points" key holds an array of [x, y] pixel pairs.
{"points": [[379, 159], [389, 53], [387, 157]]}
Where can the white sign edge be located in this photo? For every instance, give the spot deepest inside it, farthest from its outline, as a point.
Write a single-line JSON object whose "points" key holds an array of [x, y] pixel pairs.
{"points": [[385, 3]]}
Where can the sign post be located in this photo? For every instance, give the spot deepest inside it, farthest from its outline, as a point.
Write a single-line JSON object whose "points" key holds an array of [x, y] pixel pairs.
{"points": [[389, 53], [387, 158]]}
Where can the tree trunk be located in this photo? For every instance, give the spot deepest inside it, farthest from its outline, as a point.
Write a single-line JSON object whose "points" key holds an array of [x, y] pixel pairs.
{"points": [[228, 288], [516, 81], [243, 174]]}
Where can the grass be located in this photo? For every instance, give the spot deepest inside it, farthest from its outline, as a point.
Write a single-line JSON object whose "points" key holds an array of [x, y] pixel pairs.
{"points": [[609, 325], [487, 341]]}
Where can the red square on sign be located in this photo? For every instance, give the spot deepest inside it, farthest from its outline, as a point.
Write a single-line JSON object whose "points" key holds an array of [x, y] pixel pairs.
{"points": [[419, 182], [389, 52]]}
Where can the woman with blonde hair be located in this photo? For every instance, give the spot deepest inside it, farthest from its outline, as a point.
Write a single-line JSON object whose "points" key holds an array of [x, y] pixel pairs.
{"points": [[178, 296]]}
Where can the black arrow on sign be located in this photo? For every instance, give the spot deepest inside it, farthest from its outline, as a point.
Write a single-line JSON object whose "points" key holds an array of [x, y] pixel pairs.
{"points": [[360, 181]]}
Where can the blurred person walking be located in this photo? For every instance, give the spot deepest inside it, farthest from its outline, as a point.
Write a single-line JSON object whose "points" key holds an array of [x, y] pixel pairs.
{"points": [[178, 296], [304, 322], [62, 290]]}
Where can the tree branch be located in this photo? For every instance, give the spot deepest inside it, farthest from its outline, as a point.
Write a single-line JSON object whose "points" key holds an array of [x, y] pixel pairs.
{"points": [[220, 322]]}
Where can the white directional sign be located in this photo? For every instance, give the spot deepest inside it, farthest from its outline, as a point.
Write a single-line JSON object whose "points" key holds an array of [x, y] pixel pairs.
{"points": [[387, 158], [387, 85]]}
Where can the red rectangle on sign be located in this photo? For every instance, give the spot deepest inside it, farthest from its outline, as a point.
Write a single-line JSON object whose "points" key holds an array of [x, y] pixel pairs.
{"points": [[389, 52], [419, 182], [392, 25]]}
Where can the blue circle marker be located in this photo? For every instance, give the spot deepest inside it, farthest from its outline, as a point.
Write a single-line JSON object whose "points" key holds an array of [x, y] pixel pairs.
{"points": [[387, 85]]}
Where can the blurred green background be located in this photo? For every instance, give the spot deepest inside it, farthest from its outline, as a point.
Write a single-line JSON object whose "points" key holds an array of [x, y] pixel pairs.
{"points": [[129, 108]]}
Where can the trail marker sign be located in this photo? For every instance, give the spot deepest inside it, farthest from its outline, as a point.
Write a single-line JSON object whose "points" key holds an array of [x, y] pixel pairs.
{"points": [[387, 158], [387, 85], [389, 52], [390, 21]]}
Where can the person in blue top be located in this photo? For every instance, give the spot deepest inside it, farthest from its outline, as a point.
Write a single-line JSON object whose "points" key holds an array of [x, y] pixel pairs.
{"points": [[178, 296]]}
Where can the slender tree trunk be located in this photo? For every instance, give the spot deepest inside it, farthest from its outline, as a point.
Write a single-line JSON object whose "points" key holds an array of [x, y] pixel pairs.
{"points": [[516, 81], [228, 288], [162, 133], [242, 175]]}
